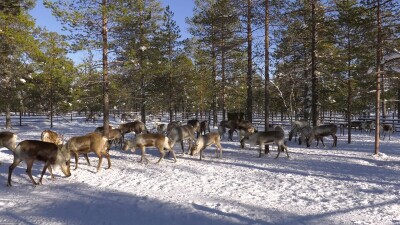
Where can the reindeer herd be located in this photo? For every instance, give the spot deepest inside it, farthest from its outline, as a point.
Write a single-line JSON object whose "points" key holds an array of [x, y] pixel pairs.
{"points": [[53, 150]]}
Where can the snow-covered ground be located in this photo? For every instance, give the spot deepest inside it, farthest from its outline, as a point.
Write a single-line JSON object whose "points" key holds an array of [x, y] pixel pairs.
{"points": [[344, 185]]}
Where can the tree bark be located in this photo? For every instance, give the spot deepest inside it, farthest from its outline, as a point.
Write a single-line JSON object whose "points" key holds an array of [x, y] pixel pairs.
{"points": [[378, 75], [266, 62], [314, 78], [249, 101], [8, 116], [104, 33]]}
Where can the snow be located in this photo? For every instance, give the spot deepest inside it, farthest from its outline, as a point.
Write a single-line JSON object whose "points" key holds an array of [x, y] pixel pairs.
{"points": [[343, 185]]}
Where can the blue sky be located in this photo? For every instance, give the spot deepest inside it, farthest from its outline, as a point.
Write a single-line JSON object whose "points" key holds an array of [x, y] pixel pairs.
{"points": [[181, 9]]}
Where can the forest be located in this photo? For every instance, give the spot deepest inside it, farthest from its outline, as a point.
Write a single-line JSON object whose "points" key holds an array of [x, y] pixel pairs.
{"points": [[300, 58]]}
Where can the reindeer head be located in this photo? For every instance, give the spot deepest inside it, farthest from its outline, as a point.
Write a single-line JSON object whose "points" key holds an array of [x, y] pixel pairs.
{"points": [[63, 159]]}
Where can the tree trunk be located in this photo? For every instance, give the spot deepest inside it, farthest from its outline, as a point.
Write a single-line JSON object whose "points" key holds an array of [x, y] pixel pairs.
{"points": [[223, 79], [266, 62], [8, 116], [214, 78], [314, 78], [104, 33], [249, 101], [378, 75], [349, 96]]}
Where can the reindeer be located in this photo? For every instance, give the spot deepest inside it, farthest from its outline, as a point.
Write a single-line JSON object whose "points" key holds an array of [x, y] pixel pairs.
{"points": [[296, 126], [136, 126], [91, 142], [114, 136], [52, 137], [32, 150], [318, 132], [387, 128], [305, 133], [231, 125], [357, 125], [173, 124], [8, 140], [161, 128], [180, 134], [221, 131], [276, 136], [101, 129], [206, 140], [204, 126], [196, 126], [91, 117], [145, 140], [124, 117], [367, 126]]}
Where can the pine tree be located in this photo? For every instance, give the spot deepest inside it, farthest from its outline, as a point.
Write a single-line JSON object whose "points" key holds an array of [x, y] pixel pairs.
{"points": [[168, 43], [16, 44], [89, 23]]}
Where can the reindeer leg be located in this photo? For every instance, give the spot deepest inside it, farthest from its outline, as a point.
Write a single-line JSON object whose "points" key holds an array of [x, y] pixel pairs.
{"points": [[29, 170], [322, 141], [190, 145], [108, 159], [334, 140], [173, 153], [201, 153], [51, 172], [46, 165], [260, 150], [183, 150], [100, 160], [11, 168], [87, 159], [279, 151], [76, 159], [162, 152], [220, 149], [142, 148], [287, 153]]}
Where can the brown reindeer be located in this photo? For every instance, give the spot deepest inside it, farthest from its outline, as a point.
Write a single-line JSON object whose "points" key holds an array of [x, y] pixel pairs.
{"points": [[181, 133], [32, 150], [8, 140], [114, 136], [145, 140], [136, 126], [321, 131], [206, 140], [276, 136], [101, 129], [173, 124], [196, 126], [52, 137], [92, 142], [387, 128], [204, 126]]}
